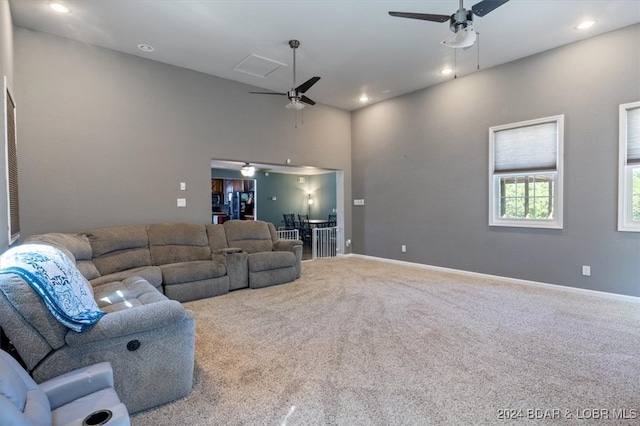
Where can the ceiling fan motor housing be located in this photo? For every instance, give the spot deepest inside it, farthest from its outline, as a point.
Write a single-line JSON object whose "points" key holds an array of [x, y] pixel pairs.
{"points": [[461, 20], [293, 95]]}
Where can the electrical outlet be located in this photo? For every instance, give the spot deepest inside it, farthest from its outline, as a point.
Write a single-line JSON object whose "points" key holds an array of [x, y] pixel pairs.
{"points": [[586, 270], [404, 248], [183, 186]]}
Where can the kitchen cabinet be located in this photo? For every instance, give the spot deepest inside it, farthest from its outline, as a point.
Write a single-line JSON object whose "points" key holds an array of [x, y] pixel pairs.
{"points": [[217, 186]]}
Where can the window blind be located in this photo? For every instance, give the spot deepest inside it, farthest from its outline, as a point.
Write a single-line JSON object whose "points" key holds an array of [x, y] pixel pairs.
{"points": [[532, 147], [633, 136], [12, 170]]}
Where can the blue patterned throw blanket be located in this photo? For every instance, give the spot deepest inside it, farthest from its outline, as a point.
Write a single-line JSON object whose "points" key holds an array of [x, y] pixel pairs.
{"points": [[55, 278]]}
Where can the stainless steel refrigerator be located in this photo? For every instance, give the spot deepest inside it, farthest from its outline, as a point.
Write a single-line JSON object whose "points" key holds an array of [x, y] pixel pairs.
{"points": [[241, 204]]}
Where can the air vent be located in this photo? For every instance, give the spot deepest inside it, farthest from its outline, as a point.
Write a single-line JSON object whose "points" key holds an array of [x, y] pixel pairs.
{"points": [[258, 66]]}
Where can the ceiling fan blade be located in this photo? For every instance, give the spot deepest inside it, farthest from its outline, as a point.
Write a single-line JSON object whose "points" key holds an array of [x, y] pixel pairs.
{"points": [[268, 93], [421, 16], [486, 6], [307, 84], [307, 100]]}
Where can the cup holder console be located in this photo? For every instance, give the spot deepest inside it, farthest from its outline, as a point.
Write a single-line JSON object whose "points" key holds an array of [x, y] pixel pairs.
{"points": [[97, 418]]}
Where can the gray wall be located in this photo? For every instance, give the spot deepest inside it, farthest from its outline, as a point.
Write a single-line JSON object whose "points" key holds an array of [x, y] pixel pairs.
{"points": [[420, 161], [106, 138], [291, 196], [6, 69]]}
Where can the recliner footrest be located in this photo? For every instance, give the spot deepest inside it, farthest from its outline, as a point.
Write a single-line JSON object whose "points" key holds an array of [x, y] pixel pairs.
{"points": [[266, 261]]}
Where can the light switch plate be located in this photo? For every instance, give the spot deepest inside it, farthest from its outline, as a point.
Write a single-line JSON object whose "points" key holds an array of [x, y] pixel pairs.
{"points": [[182, 202]]}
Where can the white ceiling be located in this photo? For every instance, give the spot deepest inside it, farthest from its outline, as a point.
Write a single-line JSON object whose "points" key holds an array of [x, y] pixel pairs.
{"points": [[354, 46]]}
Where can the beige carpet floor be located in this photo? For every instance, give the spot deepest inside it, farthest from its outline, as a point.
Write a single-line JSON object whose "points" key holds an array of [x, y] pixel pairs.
{"points": [[361, 342]]}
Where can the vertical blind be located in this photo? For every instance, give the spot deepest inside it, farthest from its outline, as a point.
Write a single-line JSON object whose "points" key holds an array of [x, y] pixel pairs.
{"points": [[12, 170], [633, 136], [526, 148]]}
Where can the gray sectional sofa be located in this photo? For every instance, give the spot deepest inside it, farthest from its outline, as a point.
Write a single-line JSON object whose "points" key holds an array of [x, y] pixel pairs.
{"points": [[184, 261], [138, 275]]}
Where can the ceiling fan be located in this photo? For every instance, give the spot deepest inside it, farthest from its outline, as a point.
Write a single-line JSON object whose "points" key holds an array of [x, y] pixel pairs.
{"points": [[248, 170], [297, 99], [461, 22]]}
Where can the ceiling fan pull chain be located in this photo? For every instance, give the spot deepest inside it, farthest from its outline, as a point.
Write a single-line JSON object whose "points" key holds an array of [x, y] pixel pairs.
{"points": [[478, 55], [455, 64]]}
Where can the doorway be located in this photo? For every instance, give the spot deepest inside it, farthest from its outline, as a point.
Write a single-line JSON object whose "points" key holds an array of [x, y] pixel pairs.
{"points": [[280, 189]]}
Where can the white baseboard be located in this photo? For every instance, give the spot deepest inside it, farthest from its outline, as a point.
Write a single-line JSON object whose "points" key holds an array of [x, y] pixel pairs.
{"points": [[558, 287]]}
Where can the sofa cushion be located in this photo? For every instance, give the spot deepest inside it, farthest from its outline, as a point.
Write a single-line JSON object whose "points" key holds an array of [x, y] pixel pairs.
{"points": [[178, 242], [119, 248], [217, 237], [271, 260], [126, 294], [250, 236], [153, 274], [77, 244], [183, 272]]}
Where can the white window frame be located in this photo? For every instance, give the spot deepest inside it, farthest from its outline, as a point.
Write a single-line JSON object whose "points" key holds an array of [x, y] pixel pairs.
{"points": [[494, 179], [625, 175]]}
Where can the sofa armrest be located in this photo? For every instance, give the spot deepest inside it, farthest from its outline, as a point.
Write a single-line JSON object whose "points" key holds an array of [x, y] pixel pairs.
{"points": [[75, 384], [130, 321], [119, 417], [286, 245]]}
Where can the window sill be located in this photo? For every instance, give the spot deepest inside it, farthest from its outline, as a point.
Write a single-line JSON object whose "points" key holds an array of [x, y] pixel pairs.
{"points": [[527, 223]]}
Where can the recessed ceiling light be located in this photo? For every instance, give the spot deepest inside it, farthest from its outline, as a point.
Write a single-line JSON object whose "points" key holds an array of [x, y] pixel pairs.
{"points": [[146, 48], [59, 7], [446, 71], [364, 98], [585, 24]]}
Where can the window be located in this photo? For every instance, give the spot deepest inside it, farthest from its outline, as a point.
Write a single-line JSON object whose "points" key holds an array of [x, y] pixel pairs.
{"points": [[525, 173], [11, 156], [629, 168]]}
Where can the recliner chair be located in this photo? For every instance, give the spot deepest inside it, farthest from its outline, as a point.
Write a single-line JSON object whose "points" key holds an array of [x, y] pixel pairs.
{"points": [[81, 397], [270, 260]]}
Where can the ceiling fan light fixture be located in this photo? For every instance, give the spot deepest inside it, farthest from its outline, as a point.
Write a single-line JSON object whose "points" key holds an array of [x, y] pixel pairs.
{"points": [[295, 104], [463, 38], [247, 170], [59, 7], [585, 24]]}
